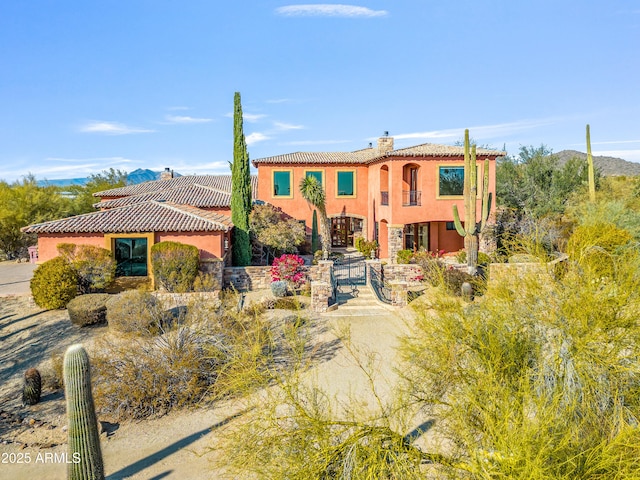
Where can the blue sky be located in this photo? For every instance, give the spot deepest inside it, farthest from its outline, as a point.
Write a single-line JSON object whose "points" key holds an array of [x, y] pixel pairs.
{"points": [[89, 85]]}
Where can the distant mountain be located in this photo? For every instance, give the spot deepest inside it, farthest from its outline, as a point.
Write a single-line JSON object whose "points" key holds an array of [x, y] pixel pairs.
{"points": [[137, 176], [609, 166]]}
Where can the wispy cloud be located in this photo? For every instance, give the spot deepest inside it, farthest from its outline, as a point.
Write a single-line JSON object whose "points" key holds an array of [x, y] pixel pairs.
{"points": [[177, 108], [112, 128], [186, 119], [287, 126], [256, 137], [249, 117], [57, 167], [280, 100], [328, 10], [500, 130]]}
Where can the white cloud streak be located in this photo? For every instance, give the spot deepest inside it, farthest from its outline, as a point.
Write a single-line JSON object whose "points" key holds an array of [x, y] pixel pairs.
{"points": [[112, 128], [255, 137], [500, 130], [329, 10], [629, 155], [287, 126], [185, 119]]}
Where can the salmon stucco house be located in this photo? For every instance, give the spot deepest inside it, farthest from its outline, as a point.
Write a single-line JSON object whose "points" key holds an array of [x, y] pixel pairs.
{"points": [[402, 198], [193, 209]]}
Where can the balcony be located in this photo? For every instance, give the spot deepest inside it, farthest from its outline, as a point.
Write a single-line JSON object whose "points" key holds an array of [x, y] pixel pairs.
{"points": [[411, 198], [384, 198]]}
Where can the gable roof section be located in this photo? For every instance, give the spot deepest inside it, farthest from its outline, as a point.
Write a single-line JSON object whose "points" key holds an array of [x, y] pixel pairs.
{"points": [[370, 155], [219, 182], [195, 195], [149, 216]]}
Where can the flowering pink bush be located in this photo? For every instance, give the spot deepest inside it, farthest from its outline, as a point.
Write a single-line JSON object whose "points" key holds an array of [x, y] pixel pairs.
{"points": [[288, 267]]}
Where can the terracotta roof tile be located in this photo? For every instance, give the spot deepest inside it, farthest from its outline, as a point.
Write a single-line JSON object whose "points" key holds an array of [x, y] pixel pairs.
{"points": [[220, 182], [370, 155], [149, 216], [195, 195]]}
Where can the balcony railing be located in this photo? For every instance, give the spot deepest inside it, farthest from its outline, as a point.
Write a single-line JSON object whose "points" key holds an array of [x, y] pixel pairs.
{"points": [[411, 198], [384, 198]]}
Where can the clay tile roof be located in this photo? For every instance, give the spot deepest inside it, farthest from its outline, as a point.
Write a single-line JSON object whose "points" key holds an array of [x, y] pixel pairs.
{"points": [[219, 182], [149, 216], [359, 156], [195, 195], [437, 150], [369, 155]]}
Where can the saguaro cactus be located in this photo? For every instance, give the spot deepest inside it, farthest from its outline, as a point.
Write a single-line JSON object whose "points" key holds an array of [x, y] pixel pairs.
{"points": [[472, 229], [32, 387], [84, 439], [592, 174]]}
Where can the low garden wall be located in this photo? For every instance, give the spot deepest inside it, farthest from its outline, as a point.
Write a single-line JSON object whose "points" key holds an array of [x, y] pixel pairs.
{"points": [[256, 278]]}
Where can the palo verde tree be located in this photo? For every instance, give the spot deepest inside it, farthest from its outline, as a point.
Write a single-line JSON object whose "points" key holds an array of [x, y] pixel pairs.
{"points": [[240, 190], [312, 191], [472, 229]]}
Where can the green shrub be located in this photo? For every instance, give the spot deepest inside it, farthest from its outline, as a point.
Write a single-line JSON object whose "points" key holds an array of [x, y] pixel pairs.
{"points": [[175, 265], [205, 282], [54, 284], [483, 258], [333, 256], [523, 258], [595, 246], [88, 309], [559, 357], [95, 266], [135, 312], [367, 248], [404, 256]]}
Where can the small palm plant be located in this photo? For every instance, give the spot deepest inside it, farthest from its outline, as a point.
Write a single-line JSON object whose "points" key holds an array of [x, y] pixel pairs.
{"points": [[312, 191]]}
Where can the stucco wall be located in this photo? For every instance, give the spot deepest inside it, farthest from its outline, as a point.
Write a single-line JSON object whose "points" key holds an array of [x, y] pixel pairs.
{"points": [[210, 244], [298, 208]]}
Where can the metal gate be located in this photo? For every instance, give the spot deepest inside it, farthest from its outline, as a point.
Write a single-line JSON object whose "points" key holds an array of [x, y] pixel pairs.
{"points": [[350, 271]]}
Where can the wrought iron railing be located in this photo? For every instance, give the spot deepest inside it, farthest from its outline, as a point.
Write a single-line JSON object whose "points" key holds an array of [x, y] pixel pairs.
{"points": [[378, 285], [384, 198], [411, 198]]}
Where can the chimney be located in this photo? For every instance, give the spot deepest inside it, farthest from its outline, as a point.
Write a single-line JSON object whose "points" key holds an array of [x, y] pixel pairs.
{"points": [[166, 174], [385, 143]]}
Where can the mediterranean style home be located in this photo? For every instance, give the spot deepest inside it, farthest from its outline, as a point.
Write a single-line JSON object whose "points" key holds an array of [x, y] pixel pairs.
{"points": [[401, 198]]}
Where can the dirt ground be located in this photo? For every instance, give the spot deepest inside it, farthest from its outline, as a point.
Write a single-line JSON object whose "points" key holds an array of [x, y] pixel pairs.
{"points": [[33, 439]]}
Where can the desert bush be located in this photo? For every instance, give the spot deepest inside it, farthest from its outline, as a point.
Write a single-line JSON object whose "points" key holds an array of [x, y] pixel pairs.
{"points": [[88, 309], [95, 266], [175, 265], [216, 352], [279, 288], [559, 357], [404, 256], [135, 312], [367, 248], [595, 247], [483, 258], [288, 303], [54, 284], [204, 282]]}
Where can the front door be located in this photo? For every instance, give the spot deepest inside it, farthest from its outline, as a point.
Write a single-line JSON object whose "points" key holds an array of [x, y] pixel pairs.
{"points": [[339, 231]]}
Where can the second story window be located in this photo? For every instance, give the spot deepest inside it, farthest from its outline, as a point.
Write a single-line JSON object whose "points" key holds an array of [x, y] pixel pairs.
{"points": [[346, 183], [450, 181], [317, 174], [282, 183]]}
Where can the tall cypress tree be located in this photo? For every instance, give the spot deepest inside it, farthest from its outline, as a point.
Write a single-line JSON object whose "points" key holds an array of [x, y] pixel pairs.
{"points": [[240, 190]]}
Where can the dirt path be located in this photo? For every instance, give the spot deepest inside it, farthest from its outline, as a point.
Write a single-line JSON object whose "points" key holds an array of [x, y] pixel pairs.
{"points": [[171, 447]]}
